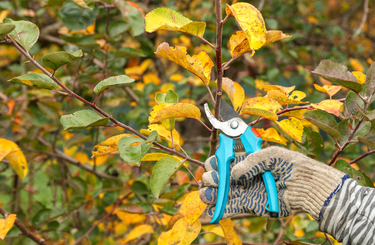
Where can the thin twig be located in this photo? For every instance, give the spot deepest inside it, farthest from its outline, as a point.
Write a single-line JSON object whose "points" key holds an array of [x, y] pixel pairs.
{"points": [[27, 55], [364, 18], [361, 157], [204, 40], [191, 174], [23, 229], [283, 228], [329, 240]]}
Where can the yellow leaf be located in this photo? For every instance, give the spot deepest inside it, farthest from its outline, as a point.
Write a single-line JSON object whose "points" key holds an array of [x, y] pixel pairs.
{"points": [[297, 95], [155, 156], [292, 127], [259, 83], [6, 224], [199, 64], [138, 231], [235, 92], [176, 77], [360, 76], [299, 233], [274, 36], [109, 146], [151, 78], [261, 106], [120, 228], [331, 106], [164, 238], [250, 21], [163, 133], [285, 90], [81, 157], [356, 64], [192, 207], [3, 15], [218, 231], [184, 233], [163, 111], [229, 233], [296, 113], [271, 135], [136, 71], [328, 89], [238, 45], [81, 3], [99, 160], [127, 218], [168, 19], [14, 155], [283, 99]]}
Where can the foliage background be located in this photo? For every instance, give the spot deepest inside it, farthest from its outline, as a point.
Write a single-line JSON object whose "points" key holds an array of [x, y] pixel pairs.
{"points": [[61, 201]]}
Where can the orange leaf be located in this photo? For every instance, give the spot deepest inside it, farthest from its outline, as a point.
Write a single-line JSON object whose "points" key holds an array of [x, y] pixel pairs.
{"points": [[192, 207], [182, 177], [235, 92], [331, 106], [292, 127], [199, 64], [261, 106], [328, 89], [251, 22], [271, 135], [199, 173], [283, 99], [356, 64], [11, 104], [166, 111], [6, 224]]}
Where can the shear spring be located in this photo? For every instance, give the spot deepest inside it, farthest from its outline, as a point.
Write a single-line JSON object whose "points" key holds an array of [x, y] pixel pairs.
{"points": [[239, 148]]}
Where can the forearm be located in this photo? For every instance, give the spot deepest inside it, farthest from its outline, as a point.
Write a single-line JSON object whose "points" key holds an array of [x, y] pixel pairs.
{"points": [[349, 216]]}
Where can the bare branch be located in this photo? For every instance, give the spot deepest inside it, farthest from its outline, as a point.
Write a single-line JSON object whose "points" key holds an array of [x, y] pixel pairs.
{"points": [[364, 18]]}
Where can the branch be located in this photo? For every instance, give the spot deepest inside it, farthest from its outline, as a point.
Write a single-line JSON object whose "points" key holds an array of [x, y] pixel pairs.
{"points": [[23, 229], [283, 227], [62, 155], [71, 93], [364, 18], [361, 157], [219, 37]]}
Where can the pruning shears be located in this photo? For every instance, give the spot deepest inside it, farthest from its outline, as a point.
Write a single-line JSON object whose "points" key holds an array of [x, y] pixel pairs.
{"points": [[233, 126]]}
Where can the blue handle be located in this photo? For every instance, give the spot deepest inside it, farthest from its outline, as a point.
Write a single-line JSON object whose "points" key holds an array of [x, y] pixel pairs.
{"points": [[252, 143], [224, 156]]}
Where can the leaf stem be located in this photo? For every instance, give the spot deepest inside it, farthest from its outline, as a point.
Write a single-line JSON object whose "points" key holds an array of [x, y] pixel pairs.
{"points": [[71, 93], [191, 174], [204, 40]]}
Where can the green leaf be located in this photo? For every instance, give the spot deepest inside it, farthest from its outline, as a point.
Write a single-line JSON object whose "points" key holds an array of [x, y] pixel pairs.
{"points": [[368, 140], [50, 108], [362, 129], [345, 167], [312, 143], [78, 185], [116, 80], [39, 80], [136, 20], [25, 34], [370, 79], [41, 217], [133, 149], [161, 173], [130, 149], [139, 188], [58, 59], [324, 121], [118, 27], [168, 19], [344, 131], [353, 104], [83, 119], [86, 4], [170, 210], [6, 28], [76, 18], [128, 53], [87, 42], [337, 74], [160, 98]]}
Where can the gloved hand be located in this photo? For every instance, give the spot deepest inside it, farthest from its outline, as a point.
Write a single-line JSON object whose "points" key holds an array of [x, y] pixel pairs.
{"points": [[302, 183]]}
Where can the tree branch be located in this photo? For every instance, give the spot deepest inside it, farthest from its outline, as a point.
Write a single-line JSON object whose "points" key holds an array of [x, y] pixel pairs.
{"points": [[23, 229], [219, 30], [364, 18], [361, 157], [71, 93]]}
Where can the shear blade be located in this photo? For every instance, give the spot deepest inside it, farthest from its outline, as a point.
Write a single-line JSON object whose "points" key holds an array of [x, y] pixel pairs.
{"points": [[226, 111]]}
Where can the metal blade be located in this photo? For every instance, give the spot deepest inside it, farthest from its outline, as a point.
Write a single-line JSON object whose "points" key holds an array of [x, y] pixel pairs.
{"points": [[226, 111]]}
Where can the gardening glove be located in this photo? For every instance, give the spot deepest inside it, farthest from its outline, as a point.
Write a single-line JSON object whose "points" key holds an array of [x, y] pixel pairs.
{"points": [[302, 183]]}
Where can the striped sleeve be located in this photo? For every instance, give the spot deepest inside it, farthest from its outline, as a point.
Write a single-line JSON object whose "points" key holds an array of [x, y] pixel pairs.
{"points": [[350, 214]]}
